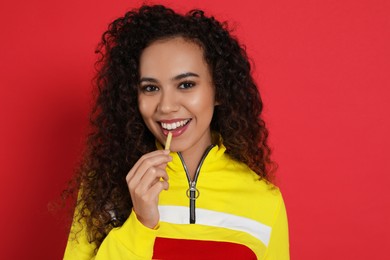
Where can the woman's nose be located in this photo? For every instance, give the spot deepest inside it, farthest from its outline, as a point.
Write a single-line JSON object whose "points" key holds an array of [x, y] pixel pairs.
{"points": [[168, 102]]}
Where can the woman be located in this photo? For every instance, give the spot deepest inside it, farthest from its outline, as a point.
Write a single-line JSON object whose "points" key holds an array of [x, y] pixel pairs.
{"points": [[210, 195]]}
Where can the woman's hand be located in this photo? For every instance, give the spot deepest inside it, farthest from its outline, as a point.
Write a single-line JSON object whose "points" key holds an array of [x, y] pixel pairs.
{"points": [[146, 180]]}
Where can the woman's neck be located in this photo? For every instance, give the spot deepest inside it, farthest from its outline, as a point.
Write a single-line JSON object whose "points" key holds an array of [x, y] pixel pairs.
{"points": [[192, 157]]}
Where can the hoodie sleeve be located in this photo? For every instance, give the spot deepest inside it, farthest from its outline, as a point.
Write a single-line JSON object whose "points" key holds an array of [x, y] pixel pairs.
{"points": [[278, 247], [130, 241]]}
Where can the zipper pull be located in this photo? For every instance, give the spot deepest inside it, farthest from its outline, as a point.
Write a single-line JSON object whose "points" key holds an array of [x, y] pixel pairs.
{"points": [[192, 192]]}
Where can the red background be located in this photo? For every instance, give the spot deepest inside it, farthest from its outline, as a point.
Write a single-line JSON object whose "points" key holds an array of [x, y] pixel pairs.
{"points": [[322, 67]]}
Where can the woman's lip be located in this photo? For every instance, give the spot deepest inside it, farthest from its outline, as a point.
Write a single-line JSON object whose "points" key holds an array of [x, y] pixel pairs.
{"points": [[170, 121], [176, 132]]}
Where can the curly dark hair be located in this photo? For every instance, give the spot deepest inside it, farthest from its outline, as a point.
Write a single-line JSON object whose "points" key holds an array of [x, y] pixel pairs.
{"points": [[119, 136]]}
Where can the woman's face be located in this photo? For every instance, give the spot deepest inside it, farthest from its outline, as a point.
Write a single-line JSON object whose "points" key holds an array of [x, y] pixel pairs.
{"points": [[176, 94]]}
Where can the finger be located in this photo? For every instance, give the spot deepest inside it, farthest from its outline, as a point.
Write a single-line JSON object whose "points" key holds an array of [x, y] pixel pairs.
{"points": [[158, 187], [151, 195], [145, 163], [148, 165], [162, 166], [150, 178], [145, 157]]}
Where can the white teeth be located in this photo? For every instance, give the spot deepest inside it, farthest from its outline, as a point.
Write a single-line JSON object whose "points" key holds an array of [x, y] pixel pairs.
{"points": [[174, 125]]}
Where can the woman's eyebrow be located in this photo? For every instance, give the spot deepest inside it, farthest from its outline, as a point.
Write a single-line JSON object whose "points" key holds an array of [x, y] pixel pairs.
{"points": [[178, 77], [185, 75], [146, 79]]}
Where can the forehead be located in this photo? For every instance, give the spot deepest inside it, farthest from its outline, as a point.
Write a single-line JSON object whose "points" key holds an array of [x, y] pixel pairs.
{"points": [[171, 57]]}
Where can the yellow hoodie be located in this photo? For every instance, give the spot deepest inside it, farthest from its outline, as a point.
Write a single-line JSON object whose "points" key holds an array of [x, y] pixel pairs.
{"points": [[226, 213]]}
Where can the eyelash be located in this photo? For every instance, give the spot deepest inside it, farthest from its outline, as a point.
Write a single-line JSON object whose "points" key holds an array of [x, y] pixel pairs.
{"points": [[187, 84], [153, 88], [149, 88]]}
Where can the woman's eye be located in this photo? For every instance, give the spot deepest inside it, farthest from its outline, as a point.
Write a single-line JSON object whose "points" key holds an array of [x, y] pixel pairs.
{"points": [[149, 88], [186, 85]]}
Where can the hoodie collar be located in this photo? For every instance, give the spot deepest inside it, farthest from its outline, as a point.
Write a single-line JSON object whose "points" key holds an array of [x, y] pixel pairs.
{"points": [[212, 157]]}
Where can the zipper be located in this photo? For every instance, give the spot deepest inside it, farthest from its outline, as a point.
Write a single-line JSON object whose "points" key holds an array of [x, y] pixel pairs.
{"points": [[192, 192]]}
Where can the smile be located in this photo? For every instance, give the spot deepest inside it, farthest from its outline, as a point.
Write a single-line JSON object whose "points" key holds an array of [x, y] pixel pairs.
{"points": [[174, 125]]}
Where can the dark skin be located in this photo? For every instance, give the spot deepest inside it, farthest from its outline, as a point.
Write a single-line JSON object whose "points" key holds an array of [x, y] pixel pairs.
{"points": [[146, 180], [176, 95]]}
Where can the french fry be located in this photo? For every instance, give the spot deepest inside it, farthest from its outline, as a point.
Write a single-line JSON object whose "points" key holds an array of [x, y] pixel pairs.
{"points": [[168, 142]]}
